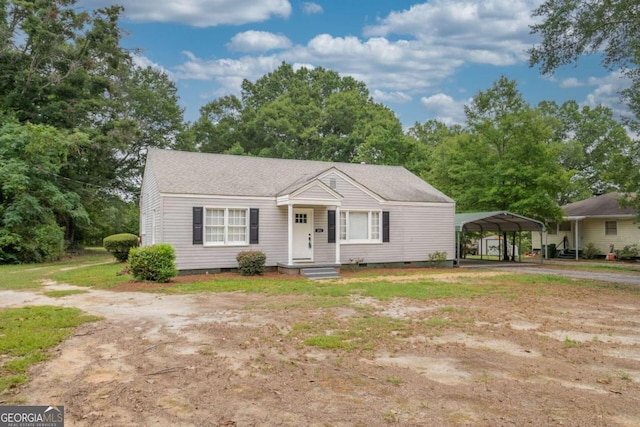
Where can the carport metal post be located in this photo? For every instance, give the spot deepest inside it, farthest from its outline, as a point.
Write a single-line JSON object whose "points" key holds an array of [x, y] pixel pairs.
{"points": [[546, 249], [576, 241], [458, 246]]}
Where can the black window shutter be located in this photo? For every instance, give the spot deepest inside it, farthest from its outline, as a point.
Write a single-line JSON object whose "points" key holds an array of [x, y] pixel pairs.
{"points": [[197, 225], [331, 226], [254, 225], [385, 226]]}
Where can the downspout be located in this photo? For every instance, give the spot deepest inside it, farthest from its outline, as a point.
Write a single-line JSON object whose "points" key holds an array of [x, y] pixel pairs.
{"points": [[576, 241], [541, 244], [290, 234], [337, 235]]}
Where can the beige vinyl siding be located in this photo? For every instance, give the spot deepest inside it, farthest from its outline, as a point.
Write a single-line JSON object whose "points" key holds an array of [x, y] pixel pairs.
{"points": [[552, 239], [150, 207], [593, 231], [178, 217]]}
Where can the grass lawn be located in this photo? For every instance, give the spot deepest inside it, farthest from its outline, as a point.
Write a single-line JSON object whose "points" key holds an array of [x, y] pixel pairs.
{"points": [[28, 333], [94, 267]]}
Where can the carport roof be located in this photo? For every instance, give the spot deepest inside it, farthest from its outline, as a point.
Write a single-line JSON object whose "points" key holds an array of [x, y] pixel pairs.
{"points": [[496, 221]]}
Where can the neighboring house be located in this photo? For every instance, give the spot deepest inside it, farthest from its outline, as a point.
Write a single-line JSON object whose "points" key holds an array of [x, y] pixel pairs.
{"points": [[210, 207], [599, 220], [494, 246]]}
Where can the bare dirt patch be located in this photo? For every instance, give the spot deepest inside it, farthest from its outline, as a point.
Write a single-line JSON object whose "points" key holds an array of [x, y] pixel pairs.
{"points": [[560, 355]]}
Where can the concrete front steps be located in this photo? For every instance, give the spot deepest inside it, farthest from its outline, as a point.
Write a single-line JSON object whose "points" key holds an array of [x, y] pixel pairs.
{"points": [[317, 273]]}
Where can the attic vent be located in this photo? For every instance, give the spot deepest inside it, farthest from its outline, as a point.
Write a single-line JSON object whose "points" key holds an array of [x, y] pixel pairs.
{"points": [[332, 183]]}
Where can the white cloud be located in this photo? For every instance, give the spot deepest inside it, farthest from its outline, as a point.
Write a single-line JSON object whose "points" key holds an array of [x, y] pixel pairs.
{"points": [[198, 13], [228, 73], [444, 108], [258, 41], [310, 8], [607, 93], [392, 97], [571, 82], [492, 32]]}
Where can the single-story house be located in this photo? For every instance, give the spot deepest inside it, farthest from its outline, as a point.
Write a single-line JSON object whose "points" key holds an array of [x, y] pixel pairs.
{"points": [[210, 207], [599, 220]]}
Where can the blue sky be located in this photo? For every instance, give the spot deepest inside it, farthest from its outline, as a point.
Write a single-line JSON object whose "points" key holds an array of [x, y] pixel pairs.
{"points": [[423, 59]]}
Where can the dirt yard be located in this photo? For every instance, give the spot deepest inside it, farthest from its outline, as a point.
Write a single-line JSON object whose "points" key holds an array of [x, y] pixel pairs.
{"points": [[548, 356]]}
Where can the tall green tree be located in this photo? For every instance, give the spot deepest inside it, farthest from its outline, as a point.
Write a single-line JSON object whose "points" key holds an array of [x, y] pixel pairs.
{"points": [[593, 145], [65, 69], [610, 28], [506, 159], [302, 114], [572, 28], [426, 138], [35, 200]]}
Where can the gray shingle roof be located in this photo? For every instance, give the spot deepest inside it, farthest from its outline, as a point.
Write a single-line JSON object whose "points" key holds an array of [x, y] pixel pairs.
{"points": [[603, 205], [181, 172]]}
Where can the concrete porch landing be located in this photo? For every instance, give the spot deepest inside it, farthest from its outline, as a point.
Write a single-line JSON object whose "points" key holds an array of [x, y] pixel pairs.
{"points": [[311, 270]]}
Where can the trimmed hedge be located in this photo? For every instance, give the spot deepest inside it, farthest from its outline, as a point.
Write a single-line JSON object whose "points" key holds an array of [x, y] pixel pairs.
{"points": [[119, 245], [251, 263], [155, 263]]}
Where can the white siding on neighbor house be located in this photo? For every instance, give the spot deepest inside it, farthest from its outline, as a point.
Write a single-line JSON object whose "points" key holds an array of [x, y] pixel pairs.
{"points": [[150, 209]]}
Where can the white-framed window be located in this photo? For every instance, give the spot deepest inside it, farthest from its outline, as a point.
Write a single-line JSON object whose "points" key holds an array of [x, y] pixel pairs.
{"points": [[565, 226], [226, 226], [359, 226], [611, 228]]}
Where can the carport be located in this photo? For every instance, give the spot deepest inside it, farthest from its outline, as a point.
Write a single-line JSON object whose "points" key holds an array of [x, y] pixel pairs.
{"points": [[496, 222]]}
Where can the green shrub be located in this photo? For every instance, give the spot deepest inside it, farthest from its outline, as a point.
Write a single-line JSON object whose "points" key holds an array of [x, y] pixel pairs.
{"points": [[251, 263], [119, 245], [629, 252], [437, 258], [590, 251], [155, 263]]}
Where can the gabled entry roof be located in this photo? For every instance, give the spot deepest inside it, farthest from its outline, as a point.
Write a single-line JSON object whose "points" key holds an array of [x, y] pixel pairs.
{"points": [[496, 221]]}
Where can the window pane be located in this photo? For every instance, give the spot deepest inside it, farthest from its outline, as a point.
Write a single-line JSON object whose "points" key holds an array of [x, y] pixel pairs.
{"points": [[610, 228], [565, 226], [375, 225], [343, 226], [552, 228], [237, 234], [214, 234], [214, 217], [358, 225], [237, 217]]}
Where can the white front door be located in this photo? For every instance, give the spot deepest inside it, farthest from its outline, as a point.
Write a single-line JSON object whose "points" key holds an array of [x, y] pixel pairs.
{"points": [[302, 234]]}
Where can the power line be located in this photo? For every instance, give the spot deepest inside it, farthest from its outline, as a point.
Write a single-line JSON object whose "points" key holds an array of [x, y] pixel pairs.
{"points": [[88, 184]]}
